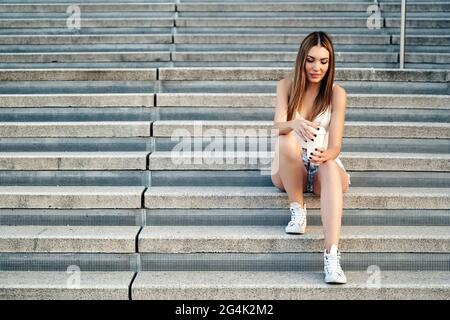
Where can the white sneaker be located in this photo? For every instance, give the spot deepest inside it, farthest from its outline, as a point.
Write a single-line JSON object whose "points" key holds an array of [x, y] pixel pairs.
{"points": [[332, 266], [297, 225]]}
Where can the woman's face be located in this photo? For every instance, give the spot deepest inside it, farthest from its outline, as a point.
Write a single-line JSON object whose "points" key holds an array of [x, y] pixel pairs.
{"points": [[317, 62]]}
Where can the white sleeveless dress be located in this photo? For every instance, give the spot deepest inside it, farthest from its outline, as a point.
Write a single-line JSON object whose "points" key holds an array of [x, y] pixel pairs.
{"points": [[324, 121]]}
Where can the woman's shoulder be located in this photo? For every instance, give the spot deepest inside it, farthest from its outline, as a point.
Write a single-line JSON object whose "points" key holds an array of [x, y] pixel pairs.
{"points": [[338, 90], [339, 96], [285, 82], [284, 85]]}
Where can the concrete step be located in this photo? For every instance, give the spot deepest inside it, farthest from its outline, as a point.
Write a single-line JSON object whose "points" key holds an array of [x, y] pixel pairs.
{"points": [[289, 285], [29, 87], [108, 114], [381, 145], [235, 38], [279, 22], [429, 40], [274, 217], [125, 13], [106, 22], [77, 39], [209, 175], [71, 285], [360, 129], [73, 161], [111, 262], [97, 144], [247, 160], [78, 74], [264, 86], [286, 7], [354, 114], [430, 23], [363, 30], [65, 57], [282, 7], [275, 74], [271, 64], [88, 101], [210, 64], [272, 197], [100, 1], [85, 48], [88, 217], [250, 47], [384, 57], [47, 6], [85, 31], [68, 239], [76, 129], [215, 217], [259, 100], [435, 58], [73, 197], [271, 239], [91, 65], [303, 261]]}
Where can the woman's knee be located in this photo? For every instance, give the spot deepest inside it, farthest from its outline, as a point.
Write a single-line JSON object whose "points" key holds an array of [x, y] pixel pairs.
{"points": [[276, 181], [332, 167], [328, 165], [288, 146]]}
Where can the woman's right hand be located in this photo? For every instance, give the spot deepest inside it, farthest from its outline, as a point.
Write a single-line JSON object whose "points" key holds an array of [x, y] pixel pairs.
{"points": [[305, 129]]}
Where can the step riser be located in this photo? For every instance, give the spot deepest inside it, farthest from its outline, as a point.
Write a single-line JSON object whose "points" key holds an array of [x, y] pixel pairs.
{"points": [[255, 130], [395, 103], [307, 245], [299, 262], [86, 7], [87, 23], [219, 293], [74, 217], [276, 74], [179, 197], [91, 57], [64, 286], [72, 114], [74, 75], [77, 101], [150, 144], [89, 39], [240, 57], [71, 197], [348, 145], [141, 129], [145, 144], [238, 217], [140, 177], [223, 164]]}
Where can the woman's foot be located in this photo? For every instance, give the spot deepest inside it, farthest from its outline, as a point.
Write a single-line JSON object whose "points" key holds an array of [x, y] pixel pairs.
{"points": [[332, 266], [297, 225]]}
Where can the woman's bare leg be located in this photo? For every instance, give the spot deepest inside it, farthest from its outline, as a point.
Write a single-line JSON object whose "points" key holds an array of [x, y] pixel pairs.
{"points": [[289, 173], [331, 183]]}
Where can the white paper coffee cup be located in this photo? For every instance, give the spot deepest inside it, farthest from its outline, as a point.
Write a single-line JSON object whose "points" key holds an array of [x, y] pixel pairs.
{"points": [[318, 142]]}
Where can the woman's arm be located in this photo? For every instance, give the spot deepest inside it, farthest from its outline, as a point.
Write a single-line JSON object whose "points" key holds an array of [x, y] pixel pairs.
{"points": [[301, 126], [281, 108], [336, 129]]}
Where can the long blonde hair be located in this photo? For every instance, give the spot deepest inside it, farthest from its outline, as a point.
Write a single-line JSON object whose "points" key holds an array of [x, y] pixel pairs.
{"points": [[299, 79]]}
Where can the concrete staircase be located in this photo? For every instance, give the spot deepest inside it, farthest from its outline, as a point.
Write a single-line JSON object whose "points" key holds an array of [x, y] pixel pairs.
{"points": [[94, 204]]}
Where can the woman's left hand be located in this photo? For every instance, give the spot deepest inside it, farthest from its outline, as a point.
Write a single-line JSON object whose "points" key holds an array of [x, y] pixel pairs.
{"points": [[319, 156]]}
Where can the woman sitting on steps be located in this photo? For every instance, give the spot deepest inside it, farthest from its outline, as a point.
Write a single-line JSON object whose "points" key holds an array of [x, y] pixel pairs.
{"points": [[306, 101]]}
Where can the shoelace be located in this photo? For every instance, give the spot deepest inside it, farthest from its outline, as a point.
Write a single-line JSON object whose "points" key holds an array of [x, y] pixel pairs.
{"points": [[296, 217], [333, 264]]}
